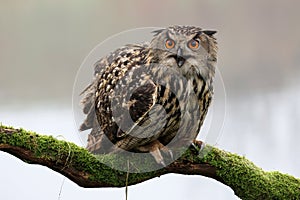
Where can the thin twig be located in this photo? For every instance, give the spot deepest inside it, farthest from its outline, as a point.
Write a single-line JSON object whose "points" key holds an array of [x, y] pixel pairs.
{"points": [[127, 176]]}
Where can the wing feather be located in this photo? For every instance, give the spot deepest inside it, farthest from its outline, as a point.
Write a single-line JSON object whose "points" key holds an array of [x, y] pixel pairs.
{"points": [[118, 114], [89, 96]]}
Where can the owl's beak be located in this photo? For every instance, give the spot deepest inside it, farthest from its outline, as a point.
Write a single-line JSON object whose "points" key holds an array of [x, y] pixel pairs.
{"points": [[179, 58]]}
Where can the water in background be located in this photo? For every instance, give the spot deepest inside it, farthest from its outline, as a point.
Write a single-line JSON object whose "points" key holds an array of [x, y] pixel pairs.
{"points": [[263, 127]]}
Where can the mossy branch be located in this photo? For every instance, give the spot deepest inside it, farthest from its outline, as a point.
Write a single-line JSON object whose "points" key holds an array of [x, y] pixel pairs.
{"points": [[246, 180]]}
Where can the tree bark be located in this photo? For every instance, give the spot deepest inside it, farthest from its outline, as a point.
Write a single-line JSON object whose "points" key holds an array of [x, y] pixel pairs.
{"points": [[246, 180]]}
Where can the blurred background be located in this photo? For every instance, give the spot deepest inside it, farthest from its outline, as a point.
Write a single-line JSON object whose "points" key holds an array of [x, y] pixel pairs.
{"points": [[43, 43]]}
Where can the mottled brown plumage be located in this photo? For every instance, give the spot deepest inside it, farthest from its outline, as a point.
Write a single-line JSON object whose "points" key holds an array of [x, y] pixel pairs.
{"points": [[147, 96]]}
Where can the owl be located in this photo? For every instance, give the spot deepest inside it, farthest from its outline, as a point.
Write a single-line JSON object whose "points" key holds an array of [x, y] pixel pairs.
{"points": [[152, 96]]}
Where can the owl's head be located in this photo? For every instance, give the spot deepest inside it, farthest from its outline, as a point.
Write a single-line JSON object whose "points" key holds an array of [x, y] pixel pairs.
{"points": [[188, 49]]}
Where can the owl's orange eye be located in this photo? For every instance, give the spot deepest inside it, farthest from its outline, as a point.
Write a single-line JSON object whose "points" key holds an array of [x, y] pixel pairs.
{"points": [[193, 44], [169, 43]]}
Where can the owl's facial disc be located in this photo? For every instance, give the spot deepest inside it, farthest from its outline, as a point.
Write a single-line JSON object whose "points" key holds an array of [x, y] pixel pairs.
{"points": [[183, 50]]}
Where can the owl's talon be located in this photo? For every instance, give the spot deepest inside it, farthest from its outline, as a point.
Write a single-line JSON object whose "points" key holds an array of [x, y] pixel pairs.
{"points": [[167, 151], [155, 149], [163, 163], [198, 145], [195, 147], [171, 154]]}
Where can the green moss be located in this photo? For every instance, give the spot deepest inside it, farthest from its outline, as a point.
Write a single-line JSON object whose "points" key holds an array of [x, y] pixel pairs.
{"points": [[249, 181], [67, 154]]}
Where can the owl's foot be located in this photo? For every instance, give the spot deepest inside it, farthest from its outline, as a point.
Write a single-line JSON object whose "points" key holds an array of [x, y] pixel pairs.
{"points": [[155, 148], [198, 145]]}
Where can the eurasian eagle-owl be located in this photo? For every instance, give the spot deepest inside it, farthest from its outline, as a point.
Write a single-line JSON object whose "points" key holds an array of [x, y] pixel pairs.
{"points": [[146, 96]]}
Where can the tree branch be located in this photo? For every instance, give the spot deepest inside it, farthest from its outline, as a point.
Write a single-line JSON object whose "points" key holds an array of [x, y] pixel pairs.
{"points": [[246, 180]]}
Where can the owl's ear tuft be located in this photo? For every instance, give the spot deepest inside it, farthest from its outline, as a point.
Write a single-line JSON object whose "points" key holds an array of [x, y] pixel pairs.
{"points": [[209, 32], [157, 32]]}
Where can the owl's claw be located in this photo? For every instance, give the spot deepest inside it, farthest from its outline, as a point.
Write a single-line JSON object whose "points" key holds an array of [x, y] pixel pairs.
{"points": [[171, 154], [163, 163], [195, 147], [155, 148], [158, 157], [167, 151], [198, 145]]}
